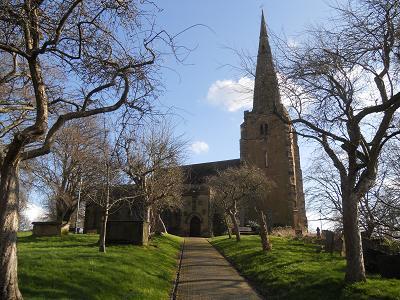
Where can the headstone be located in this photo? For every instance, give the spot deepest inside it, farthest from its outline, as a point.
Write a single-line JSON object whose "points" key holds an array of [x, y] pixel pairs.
{"points": [[378, 258], [127, 232], [389, 266], [245, 230], [329, 240], [46, 228]]}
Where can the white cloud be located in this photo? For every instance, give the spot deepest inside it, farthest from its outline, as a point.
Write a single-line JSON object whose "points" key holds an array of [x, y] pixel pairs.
{"points": [[292, 43], [199, 147], [232, 95], [34, 212]]}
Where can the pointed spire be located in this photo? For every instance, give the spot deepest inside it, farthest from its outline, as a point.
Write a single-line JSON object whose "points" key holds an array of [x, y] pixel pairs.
{"points": [[266, 91], [263, 29]]}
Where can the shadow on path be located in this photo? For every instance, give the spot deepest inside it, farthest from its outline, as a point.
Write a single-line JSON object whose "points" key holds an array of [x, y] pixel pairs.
{"points": [[206, 274]]}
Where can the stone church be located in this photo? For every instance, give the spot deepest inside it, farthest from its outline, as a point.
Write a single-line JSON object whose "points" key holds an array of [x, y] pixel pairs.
{"points": [[268, 142]]}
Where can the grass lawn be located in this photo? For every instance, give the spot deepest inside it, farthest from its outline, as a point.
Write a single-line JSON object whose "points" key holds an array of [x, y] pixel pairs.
{"points": [[293, 270], [71, 267]]}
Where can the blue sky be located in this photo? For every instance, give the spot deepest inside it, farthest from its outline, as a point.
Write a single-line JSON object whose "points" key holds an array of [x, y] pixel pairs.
{"points": [[201, 88], [203, 91]]}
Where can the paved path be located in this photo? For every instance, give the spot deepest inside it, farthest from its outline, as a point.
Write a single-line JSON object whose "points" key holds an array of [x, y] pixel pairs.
{"points": [[205, 274]]}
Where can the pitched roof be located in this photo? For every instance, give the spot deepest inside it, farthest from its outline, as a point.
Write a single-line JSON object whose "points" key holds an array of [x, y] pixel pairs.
{"points": [[198, 173]]}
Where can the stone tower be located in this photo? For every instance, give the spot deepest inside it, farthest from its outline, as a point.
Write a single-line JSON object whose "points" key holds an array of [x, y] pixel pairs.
{"points": [[269, 143]]}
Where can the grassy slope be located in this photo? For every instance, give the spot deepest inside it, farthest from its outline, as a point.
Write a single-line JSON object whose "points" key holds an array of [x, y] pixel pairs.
{"points": [[293, 270], [70, 267]]}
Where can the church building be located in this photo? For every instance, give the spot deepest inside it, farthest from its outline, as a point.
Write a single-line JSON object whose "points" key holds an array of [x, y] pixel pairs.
{"points": [[268, 142]]}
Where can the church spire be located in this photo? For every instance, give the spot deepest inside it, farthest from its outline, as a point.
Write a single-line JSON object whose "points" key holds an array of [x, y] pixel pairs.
{"points": [[266, 91]]}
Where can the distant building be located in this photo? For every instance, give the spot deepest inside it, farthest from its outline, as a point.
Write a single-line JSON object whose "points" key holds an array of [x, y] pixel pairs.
{"points": [[268, 142]]}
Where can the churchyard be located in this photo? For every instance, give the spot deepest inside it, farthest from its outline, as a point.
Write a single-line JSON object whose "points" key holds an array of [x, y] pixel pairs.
{"points": [[295, 270], [71, 267]]}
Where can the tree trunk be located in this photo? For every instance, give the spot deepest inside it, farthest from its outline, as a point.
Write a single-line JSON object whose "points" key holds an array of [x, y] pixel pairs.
{"points": [[68, 214], [148, 218], [60, 210], [370, 228], [266, 245], [102, 244], [228, 227], [9, 202], [106, 207], [355, 270], [236, 225], [164, 228]]}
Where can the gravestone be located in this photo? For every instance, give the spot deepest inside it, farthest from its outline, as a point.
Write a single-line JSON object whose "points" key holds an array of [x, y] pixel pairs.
{"points": [[378, 258], [329, 240], [127, 232], [389, 265], [245, 230], [46, 228]]}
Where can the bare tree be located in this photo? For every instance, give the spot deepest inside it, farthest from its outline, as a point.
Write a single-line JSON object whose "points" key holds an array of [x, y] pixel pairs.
{"points": [[342, 83], [228, 194], [388, 195], [71, 167], [258, 187], [378, 209], [24, 222], [323, 190], [150, 157], [104, 195], [68, 60], [233, 188]]}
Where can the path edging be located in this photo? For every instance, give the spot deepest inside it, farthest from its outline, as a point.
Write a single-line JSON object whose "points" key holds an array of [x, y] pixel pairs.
{"points": [[178, 272]]}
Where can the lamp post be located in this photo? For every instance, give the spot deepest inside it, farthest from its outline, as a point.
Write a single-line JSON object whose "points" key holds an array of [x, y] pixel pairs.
{"points": [[77, 208], [320, 218]]}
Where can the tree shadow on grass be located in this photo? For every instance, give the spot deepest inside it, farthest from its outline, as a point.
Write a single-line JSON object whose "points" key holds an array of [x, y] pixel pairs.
{"points": [[53, 246], [56, 241], [111, 277], [43, 287], [292, 270], [323, 289]]}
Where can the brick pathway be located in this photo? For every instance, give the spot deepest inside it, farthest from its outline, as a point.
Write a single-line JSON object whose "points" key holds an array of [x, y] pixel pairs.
{"points": [[205, 274]]}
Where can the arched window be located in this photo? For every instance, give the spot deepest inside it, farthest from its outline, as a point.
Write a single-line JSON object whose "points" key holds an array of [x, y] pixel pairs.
{"points": [[263, 129]]}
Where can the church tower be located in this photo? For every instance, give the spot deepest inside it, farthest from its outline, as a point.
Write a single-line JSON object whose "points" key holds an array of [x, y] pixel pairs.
{"points": [[270, 143]]}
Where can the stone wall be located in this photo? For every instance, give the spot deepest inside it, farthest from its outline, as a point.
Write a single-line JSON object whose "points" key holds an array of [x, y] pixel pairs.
{"points": [[276, 153], [127, 232], [46, 228]]}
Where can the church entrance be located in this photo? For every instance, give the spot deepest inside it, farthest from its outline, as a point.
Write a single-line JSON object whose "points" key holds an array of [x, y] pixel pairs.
{"points": [[195, 226]]}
